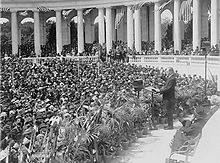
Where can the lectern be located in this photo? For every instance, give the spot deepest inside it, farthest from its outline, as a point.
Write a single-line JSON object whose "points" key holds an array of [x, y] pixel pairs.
{"points": [[138, 85]]}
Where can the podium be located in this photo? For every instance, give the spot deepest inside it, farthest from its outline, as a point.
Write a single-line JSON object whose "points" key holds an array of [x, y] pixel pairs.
{"points": [[138, 85], [152, 90]]}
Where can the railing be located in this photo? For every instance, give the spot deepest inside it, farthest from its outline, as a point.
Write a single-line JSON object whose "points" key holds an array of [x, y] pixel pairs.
{"points": [[144, 59], [183, 64], [188, 60], [81, 59]]}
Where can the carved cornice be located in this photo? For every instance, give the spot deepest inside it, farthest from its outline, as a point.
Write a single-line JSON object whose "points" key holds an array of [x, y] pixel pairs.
{"points": [[66, 4]]}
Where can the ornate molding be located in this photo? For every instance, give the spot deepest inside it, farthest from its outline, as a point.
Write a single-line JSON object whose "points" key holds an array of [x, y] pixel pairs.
{"points": [[67, 4]]}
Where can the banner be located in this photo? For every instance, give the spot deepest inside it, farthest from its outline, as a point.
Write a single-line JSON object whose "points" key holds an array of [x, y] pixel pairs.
{"points": [[139, 5], [23, 13], [4, 9], [119, 17], [43, 9], [86, 12], [164, 4], [185, 13], [65, 13]]}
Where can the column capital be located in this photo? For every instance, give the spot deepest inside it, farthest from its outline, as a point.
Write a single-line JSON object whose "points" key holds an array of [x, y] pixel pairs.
{"points": [[79, 9], [35, 10], [101, 7], [13, 10], [158, 2], [57, 10], [108, 7]]}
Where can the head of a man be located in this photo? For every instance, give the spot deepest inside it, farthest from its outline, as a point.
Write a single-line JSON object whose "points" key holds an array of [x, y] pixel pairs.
{"points": [[169, 71]]}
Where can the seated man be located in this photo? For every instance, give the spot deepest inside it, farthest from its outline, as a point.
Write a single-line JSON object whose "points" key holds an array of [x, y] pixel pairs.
{"points": [[192, 128], [180, 136]]}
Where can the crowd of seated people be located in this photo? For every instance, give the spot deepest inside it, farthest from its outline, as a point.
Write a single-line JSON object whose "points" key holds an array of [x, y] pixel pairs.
{"points": [[32, 94], [28, 89]]}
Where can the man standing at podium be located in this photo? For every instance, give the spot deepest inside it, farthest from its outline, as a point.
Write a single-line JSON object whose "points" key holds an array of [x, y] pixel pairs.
{"points": [[168, 92]]}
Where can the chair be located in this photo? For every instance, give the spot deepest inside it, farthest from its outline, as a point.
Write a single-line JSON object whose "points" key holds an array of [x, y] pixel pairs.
{"points": [[187, 149]]}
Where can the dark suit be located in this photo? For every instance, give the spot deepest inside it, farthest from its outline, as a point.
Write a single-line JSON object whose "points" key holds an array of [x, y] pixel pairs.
{"points": [[169, 97]]}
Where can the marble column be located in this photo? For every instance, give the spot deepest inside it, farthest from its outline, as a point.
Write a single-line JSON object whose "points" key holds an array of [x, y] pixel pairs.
{"points": [[137, 30], [214, 22], [101, 26], [130, 24], [177, 27], [14, 32], [80, 30], [196, 23], [43, 32], [37, 48], [204, 20], [19, 34], [157, 27], [89, 25], [108, 29], [59, 43]]}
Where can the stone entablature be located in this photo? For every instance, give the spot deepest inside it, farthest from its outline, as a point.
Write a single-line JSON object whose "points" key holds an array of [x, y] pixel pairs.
{"points": [[66, 4]]}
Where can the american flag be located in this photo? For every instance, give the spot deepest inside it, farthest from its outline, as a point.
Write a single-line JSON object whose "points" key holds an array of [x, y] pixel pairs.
{"points": [[186, 11], [119, 17]]}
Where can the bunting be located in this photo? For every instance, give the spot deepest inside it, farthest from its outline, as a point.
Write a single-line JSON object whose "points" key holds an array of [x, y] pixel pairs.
{"points": [[119, 17], [4, 9], [186, 11], [209, 10], [86, 12], [23, 13], [43, 9], [139, 5], [65, 13], [164, 4]]}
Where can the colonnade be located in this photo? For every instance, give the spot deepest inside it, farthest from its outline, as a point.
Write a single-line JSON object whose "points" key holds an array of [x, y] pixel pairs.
{"points": [[134, 32]]}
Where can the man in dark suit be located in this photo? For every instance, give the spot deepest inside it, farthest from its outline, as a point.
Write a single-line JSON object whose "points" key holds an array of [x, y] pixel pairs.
{"points": [[168, 92]]}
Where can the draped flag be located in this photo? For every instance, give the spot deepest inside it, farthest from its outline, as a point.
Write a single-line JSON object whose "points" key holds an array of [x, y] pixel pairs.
{"points": [[164, 4], [87, 11], [4, 9], [209, 6], [43, 9], [65, 13], [185, 13], [119, 17], [209, 10], [139, 5], [23, 13]]}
